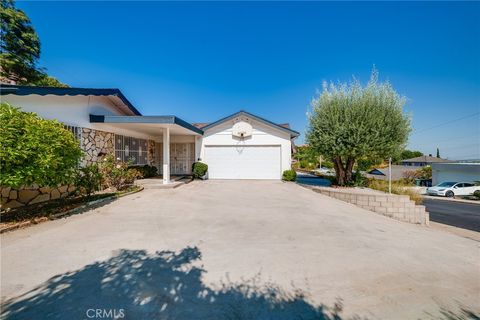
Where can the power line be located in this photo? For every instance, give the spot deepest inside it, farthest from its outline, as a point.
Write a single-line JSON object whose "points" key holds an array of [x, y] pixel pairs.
{"points": [[447, 122]]}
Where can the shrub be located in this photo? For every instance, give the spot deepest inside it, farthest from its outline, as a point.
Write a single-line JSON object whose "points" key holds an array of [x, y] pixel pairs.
{"points": [[88, 180], [476, 194], [117, 174], [397, 188], [424, 172], [35, 150], [199, 169], [358, 180], [289, 175], [145, 171]]}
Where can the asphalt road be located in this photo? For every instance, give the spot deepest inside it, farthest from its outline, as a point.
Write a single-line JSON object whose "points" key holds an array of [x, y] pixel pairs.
{"points": [[457, 214]]}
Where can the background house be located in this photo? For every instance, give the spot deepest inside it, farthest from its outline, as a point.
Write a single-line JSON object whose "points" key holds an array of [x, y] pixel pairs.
{"points": [[455, 172], [423, 161]]}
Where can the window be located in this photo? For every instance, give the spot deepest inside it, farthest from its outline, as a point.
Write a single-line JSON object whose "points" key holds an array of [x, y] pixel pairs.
{"points": [[129, 149], [76, 131]]}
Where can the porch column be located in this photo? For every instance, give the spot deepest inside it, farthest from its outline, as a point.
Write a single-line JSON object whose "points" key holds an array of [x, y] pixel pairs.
{"points": [[166, 155]]}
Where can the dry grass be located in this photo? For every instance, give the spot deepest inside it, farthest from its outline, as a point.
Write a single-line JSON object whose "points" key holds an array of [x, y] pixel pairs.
{"points": [[397, 188]]}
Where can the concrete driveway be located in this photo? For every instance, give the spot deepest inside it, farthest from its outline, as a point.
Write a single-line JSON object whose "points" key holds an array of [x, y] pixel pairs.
{"points": [[235, 250]]}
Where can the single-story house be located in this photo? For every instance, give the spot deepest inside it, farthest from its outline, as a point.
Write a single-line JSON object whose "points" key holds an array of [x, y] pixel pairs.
{"points": [[238, 146], [455, 172], [423, 161]]}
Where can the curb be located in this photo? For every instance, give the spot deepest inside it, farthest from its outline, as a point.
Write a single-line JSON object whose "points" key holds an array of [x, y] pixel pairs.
{"points": [[450, 199], [59, 215]]}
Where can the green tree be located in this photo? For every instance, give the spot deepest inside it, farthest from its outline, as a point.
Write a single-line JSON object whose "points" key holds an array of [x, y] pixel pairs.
{"points": [[438, 153], [19, 44], [406, 154], [35, 150], [350, 122], [20, 48]]}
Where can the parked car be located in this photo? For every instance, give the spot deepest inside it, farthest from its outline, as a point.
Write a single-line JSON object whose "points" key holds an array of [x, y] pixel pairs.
{"points": [[451, 189]]}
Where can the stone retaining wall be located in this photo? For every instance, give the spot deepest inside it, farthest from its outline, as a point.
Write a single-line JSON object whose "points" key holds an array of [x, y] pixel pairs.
{"points": [[398, 207], [14, 198]]}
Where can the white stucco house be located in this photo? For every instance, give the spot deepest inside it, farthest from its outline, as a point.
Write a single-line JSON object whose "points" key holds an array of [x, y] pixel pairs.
{"points": [[239, 146]]}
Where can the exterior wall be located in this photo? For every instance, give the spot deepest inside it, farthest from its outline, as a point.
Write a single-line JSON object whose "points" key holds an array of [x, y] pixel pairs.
{"points": [[70, 110], [14, 198], [394, 206], [455, 172], [221, 135], [96, 143]]}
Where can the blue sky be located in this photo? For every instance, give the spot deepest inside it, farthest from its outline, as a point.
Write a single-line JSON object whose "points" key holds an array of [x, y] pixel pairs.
{"points": [[203, 61]]}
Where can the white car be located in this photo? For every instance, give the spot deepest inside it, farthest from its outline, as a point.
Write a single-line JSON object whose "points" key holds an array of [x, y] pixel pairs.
{"points": [[452, 189]]}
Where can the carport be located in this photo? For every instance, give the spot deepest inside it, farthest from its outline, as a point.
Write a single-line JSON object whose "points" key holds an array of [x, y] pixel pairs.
{"points": [[158, 128]]}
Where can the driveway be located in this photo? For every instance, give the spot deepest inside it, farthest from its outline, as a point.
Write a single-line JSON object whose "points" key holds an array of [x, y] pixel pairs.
{"points": [[453, 213], [235, 250]]}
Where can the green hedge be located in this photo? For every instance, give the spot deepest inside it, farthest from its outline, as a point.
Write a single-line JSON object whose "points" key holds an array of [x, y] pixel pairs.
{"points": [[145, 171], [199, 169], [35, 150], [289, 175]]}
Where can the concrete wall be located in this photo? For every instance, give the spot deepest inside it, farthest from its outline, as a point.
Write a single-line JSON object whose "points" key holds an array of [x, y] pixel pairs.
{"points": [[398, 207], [262, 134], [455, 172]]}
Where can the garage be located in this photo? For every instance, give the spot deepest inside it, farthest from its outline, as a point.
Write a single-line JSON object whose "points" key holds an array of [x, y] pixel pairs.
{"points": [[243, 162]]}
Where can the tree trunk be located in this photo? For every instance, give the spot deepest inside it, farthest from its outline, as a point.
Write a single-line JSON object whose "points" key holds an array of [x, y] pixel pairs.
{"points": [[349, 169], [343, 172], [339, 170]]}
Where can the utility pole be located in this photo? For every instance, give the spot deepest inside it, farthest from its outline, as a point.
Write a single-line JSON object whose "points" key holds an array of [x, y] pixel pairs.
{"points": [[320, 161], [390, 175]]}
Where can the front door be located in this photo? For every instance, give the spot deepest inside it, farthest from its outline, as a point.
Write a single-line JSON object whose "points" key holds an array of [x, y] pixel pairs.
{"points": [[182, 156]]}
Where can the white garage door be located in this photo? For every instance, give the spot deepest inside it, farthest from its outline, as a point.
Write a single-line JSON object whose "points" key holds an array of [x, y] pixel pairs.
{"points": [[243, 162]]}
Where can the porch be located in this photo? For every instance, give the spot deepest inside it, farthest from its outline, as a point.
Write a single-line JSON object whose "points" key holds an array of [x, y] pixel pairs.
{"points": [[154, 133]]}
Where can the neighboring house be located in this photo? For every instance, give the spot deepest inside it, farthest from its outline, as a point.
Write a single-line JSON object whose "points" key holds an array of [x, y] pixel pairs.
{"points": [[240, 146], [423, 161], [455, 172], [382, 173]]}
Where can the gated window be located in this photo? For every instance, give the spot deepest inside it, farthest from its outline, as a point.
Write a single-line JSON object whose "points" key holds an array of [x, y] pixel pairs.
{"points": [[76, 131], [129, 149]]}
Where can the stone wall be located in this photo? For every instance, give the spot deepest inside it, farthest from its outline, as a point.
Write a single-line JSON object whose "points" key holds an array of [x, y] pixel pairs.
{"points": [[398, 207], [14, 198], [96, 143]]}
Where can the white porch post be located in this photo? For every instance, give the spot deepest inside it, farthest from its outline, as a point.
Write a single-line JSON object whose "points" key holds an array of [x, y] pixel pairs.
{"points": [[166, 155]]}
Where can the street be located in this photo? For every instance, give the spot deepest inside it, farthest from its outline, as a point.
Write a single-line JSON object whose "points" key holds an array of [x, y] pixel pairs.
{"points": [[457, 214]]}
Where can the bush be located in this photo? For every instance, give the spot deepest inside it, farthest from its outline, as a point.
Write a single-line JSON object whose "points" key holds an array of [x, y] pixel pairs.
{"points": [[397, 188], [358, 180], [35, 150], [199, 169], [477, 194], [145, 171], [88, 180], [289, 175], [117, 174]]}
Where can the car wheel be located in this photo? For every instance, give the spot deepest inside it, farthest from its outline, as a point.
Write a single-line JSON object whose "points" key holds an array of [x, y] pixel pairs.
{"points": [[449, 194]]}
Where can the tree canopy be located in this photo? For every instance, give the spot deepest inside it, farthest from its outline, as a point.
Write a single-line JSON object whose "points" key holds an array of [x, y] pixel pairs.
{"points": [[350, 122], [20, 48]]}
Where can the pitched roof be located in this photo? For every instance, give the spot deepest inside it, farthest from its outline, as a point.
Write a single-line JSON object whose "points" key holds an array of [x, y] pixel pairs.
{"points": [[200, 125], [282, 127], [427, 159], [397, 172], [28, 90]]}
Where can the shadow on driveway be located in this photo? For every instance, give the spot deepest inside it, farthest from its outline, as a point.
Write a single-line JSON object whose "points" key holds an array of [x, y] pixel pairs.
{"points": [[163, 285]]}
